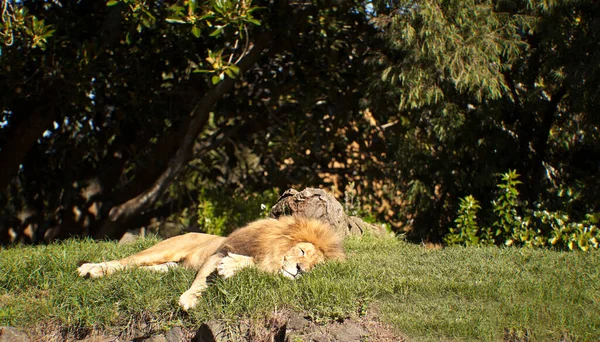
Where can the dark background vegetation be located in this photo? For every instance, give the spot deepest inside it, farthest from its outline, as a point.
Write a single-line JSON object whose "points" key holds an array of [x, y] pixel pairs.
{"points": [[122, 114]]}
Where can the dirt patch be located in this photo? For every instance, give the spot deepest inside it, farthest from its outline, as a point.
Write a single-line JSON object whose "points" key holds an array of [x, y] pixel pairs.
{"points": [[293, 327], [364, 328], [284, 326]]}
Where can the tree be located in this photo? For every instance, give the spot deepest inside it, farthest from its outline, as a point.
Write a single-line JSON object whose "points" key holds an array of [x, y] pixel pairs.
{"points": [[482, 87], [128, 95], [112, 81], [118, 114]]}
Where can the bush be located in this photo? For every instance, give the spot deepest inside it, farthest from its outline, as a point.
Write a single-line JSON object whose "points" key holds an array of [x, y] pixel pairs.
{"points": [[512, 223]]}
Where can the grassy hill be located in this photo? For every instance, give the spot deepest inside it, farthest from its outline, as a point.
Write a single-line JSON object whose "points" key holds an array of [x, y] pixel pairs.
{"points": [[420, 294]]}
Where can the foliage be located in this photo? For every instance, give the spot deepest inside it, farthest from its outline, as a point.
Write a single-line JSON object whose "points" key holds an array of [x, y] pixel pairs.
{"points": [[505, 206], [111, 114], [534, 228], [219, 215], [413, 104], [582, 235], [491, 290], [466, 230], [468, 89], [21, 28]]}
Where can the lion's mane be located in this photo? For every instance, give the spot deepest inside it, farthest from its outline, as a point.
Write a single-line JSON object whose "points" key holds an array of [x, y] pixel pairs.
{"points": [[268, 240]]}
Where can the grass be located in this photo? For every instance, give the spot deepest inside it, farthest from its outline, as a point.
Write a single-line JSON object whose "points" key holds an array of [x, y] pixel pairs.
{"points": [[451, 294]]}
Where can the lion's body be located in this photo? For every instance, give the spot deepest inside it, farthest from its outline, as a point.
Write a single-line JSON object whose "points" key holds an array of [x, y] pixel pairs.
{"points": [[288, 246]]}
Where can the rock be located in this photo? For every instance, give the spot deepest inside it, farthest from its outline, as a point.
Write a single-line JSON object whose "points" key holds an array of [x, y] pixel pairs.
{"points": [[10, 334], [211, 331], [97, 337], [318, 204], [297, 322], [156, 338], [349, 332], [175, 335], [132, 235]]}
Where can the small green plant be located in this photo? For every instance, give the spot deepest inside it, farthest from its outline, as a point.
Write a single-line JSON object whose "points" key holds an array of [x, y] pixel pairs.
{"points": [[466, 230], [533, 228], [351, 200], [507, 219], [353, 207], [209, 219]]}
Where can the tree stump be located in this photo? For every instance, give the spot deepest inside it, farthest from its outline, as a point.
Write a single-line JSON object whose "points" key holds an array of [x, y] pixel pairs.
{"points": [[318, 204]]}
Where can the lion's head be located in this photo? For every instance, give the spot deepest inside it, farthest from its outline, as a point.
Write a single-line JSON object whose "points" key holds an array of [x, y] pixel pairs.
{"points": [[299, 259], [289, 245]]}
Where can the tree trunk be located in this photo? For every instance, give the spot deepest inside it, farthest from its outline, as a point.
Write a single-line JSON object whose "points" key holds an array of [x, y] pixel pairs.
{"points": [[541, 145]]}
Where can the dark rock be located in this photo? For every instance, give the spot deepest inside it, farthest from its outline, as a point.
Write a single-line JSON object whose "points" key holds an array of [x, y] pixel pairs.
{"points": [[175, 335], [297, 323], [132, 235], [211, 331]]}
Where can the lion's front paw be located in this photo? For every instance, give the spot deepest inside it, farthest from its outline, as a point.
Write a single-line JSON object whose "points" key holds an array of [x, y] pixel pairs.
{"points": [[91, 270], [230, 264], [227, 267], [188, 300]]}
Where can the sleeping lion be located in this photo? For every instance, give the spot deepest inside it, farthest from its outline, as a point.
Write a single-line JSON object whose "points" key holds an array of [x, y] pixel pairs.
{"points": [[288, 246]]}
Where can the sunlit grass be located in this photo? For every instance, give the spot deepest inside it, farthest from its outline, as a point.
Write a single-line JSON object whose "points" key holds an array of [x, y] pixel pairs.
{"points": [[450, 294]]}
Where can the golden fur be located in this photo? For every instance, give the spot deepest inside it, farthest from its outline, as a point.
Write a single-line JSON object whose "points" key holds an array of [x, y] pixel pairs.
{"points": [[289, 246]]}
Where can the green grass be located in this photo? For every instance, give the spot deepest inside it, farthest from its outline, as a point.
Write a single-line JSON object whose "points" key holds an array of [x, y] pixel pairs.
{"points": [[450, 294]]}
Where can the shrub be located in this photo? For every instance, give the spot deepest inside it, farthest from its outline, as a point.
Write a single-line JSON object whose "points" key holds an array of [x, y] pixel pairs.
{"points": [[512, 223], [219, 214]]}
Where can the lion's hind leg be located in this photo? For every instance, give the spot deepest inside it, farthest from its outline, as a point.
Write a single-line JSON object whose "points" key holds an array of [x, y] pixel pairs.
{"points": [[96, 270], [159, 257]]}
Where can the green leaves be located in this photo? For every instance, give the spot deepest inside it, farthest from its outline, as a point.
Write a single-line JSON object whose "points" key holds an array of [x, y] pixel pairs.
{"points": [[535, 228], [461, 44], [39, 32], [196, 31], [506, 204], [224, 20], [219, 213], [220, 67], [217, 14], [475, 81], [18, 23], [466, 229]]}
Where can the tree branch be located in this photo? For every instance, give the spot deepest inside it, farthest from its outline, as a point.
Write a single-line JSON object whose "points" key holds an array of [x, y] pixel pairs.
{"points": [[513, 91], [122, 213]]}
